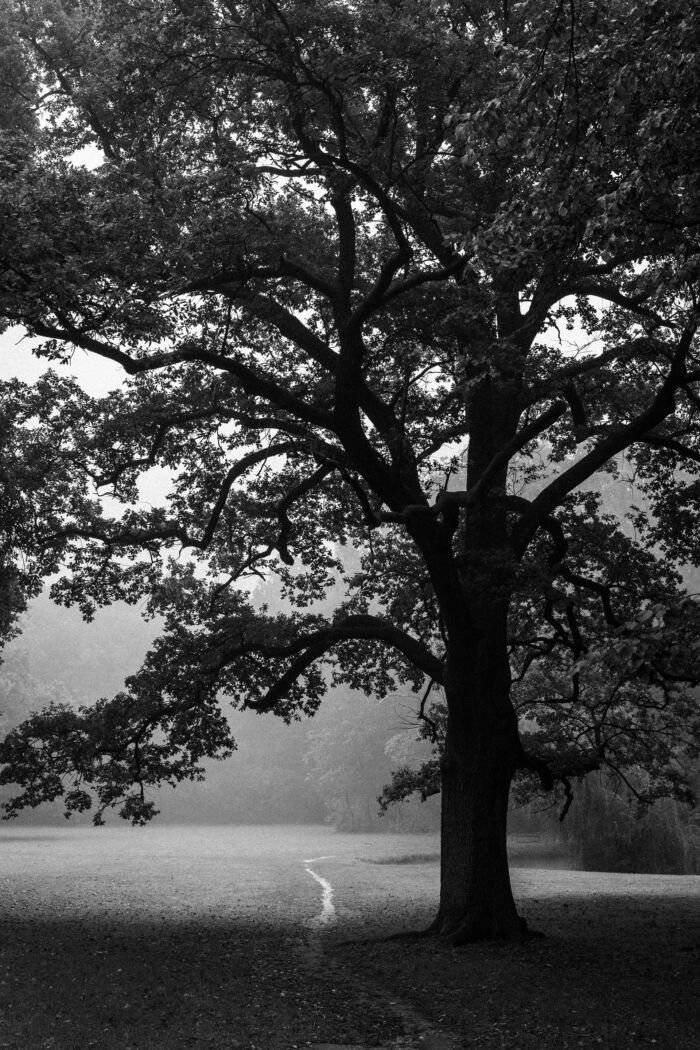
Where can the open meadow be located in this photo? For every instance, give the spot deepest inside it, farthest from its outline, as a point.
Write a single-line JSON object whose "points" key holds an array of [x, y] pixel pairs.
{"points": [[167, 938]]}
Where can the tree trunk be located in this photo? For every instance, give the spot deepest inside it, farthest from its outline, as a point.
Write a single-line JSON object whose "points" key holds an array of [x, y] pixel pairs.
{"points": [[482, 744], [476, 901]]}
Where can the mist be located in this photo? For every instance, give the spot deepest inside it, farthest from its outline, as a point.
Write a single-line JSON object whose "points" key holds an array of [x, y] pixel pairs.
{"points": [[325, 769]]}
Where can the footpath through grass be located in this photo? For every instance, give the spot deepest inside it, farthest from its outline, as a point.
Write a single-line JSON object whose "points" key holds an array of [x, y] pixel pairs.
{"points": [[171, 938]]}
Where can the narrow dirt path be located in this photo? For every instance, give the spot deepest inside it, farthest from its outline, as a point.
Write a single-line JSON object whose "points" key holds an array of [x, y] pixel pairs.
{"points": [[327, 914], [419, 1032]]}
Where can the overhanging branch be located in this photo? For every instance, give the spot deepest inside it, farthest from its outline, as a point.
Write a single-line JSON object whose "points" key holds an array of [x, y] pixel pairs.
{"points": [[308, 647], [172, 530]]}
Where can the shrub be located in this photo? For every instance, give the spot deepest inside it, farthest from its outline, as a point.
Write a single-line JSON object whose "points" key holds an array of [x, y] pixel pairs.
{"points": [[608, 832]]}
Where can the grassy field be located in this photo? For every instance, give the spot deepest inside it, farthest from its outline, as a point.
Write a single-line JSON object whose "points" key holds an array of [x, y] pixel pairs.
{"points": [[226, 937]]}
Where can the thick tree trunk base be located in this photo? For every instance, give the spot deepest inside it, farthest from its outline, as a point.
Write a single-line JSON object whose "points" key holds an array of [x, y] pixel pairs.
{"points": [[457, 934], [472, 930]]}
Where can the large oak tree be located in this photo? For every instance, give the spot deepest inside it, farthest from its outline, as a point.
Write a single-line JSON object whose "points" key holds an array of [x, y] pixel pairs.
{"points": [[336, 248]]}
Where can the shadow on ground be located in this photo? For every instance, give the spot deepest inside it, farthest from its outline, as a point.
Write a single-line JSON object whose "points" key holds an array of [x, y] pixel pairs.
{"points": [[610, 974], [615, 970], [71, 985], [219, 938]]}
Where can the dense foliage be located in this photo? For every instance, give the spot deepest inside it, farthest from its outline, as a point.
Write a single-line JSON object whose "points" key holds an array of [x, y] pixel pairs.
{"points": [[337, 248], [37, 487]]}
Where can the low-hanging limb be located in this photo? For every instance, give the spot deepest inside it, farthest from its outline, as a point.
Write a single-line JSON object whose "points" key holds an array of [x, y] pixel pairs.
{"points": [[310, 646], [550, 775]]}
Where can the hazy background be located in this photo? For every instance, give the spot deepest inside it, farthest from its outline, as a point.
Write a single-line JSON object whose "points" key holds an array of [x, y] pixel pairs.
{"points": [[328, 768]]}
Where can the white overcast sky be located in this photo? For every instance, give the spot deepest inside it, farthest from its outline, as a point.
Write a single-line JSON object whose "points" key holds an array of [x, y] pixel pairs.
{"points": [[96, 375]]}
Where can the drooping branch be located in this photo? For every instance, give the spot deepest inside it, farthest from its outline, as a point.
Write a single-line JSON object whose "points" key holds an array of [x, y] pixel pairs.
{"points": [[550, 618], [662, 441], [422, 714], [310, 646], [601, 589], [552, 772]]}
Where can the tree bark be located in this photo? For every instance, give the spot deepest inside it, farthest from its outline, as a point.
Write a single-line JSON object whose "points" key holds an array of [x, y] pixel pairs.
{"points": [[482, 746], [476, 900]]}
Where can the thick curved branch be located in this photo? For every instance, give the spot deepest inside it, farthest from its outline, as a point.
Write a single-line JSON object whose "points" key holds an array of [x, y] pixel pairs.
{"points": [[601, 589], [309, 647], [612, 294], [236, 471], [561, 545], [271, 312], [290, 676]]}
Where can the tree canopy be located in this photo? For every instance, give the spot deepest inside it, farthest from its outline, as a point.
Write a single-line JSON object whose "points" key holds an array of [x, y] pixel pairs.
{"points": [[341, 251]]}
